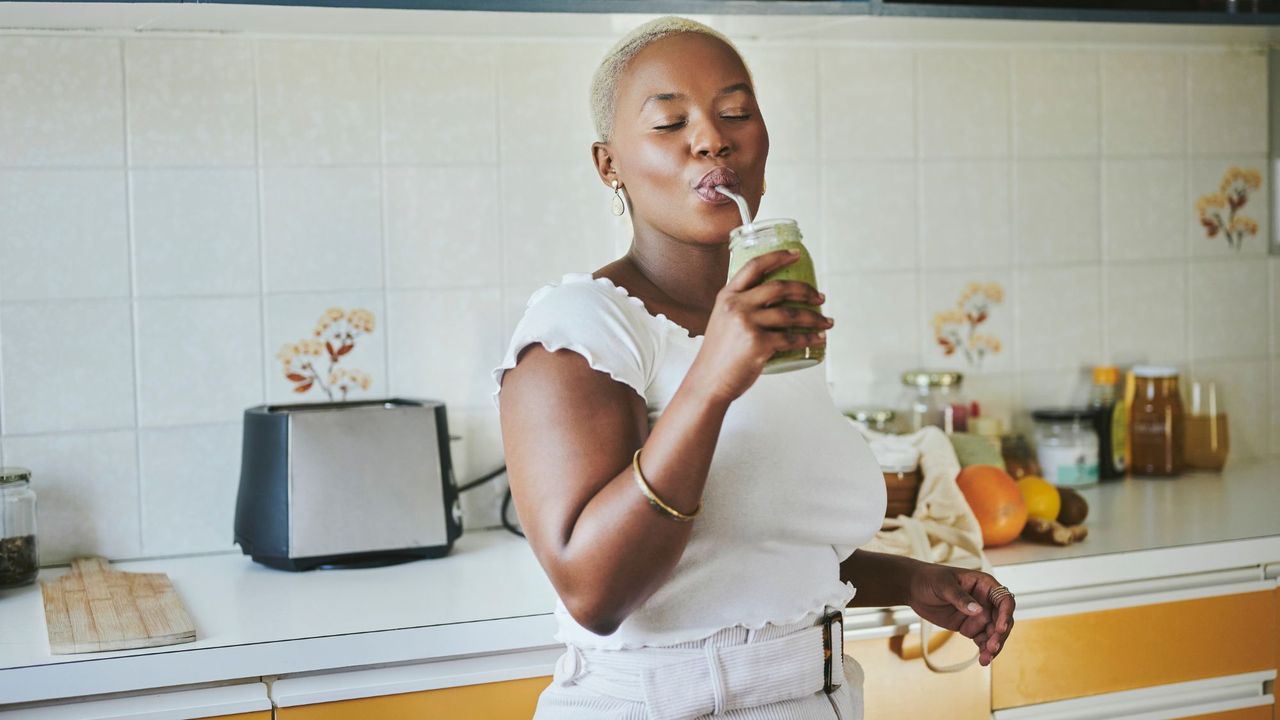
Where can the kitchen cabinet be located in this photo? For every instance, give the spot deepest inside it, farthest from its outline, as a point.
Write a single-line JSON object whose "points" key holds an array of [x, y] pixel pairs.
{"points": [[899, 685], [509, 700], [1109, 639]]}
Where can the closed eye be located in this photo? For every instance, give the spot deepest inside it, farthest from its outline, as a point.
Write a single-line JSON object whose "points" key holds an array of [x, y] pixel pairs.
{"points": [[672, 126]]}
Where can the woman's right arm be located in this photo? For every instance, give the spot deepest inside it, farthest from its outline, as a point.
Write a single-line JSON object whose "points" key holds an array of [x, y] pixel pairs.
{"points": [[570, 432]]}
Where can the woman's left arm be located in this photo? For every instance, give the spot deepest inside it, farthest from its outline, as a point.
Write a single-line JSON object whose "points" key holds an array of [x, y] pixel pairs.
{"points": [[949, 597]]}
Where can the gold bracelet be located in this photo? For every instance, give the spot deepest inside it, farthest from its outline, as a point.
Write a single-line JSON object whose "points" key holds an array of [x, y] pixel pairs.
{"points": [[654, 500]]}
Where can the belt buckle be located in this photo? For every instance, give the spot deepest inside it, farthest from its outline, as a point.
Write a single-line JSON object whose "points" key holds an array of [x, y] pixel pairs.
{"points": [[832, 642]]}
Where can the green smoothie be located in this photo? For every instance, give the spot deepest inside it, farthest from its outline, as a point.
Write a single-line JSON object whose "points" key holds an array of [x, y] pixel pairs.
{"points": [[766, 236]]}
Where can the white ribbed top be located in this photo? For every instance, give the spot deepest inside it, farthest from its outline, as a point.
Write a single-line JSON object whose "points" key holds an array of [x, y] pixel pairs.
{"points": [[793, 488]]}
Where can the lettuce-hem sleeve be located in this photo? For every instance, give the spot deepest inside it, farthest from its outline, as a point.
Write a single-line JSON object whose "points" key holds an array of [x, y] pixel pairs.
{"points": [[584, 318]]}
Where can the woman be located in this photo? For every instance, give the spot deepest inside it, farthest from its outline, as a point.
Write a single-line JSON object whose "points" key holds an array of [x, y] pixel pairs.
{"points": [[691, 514]]}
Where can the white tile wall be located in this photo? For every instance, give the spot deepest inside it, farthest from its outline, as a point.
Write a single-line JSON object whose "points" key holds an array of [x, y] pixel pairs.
{"points": [[195, 232], [1228, 309], [1055, 103], [63, 101], [189, 476], [1228, 102], [321, 229], [964, 103], [318, 102], [1143, 103], [440, 102], [198, 359], [173, 210], [1056, 212], [87, 489], [63, 234], [868, 103], [964, 214], [190, 102]]}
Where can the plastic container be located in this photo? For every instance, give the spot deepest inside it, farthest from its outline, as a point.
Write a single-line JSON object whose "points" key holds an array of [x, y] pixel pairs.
{"points": [[933, 397], [766, 236], [1067, 446], [19, 559]]}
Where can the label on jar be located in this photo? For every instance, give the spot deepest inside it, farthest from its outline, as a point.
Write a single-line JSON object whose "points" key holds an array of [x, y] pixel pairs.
{"points": [[1067, 465]]}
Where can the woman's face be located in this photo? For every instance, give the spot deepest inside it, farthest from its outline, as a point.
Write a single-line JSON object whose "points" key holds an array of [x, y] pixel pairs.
{"points": [[685, 121]]}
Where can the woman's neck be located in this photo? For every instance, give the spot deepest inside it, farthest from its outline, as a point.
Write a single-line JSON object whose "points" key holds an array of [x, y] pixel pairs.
{"points": [[690, 274]]}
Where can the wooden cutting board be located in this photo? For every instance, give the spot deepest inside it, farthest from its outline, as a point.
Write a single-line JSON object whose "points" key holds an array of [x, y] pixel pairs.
{"points": [[95, 608]]}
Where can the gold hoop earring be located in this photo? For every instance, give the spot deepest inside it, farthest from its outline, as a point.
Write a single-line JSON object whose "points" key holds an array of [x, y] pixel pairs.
{"points": [[619, 207]]}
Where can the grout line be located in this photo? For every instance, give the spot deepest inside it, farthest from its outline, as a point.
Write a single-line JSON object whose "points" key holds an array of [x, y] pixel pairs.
{"points": [[1104, 267], [131, 268], [260, 191], [920, 255], [383, 199], [1184, 204]]}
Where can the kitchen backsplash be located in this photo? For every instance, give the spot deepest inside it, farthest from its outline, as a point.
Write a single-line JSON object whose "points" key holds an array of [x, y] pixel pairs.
{"points": [[178, 213]]}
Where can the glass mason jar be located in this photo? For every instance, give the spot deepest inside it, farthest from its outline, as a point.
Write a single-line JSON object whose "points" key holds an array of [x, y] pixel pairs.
{"points": [[19, 561], [933, 397], [879, 419], [1067, 446], [749, 241], [1155, 422]]}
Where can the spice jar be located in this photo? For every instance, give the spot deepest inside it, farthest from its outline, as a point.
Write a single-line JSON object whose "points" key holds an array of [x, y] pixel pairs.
{"points": [[933, 397], [19, 562], [1067, 446], [1155, 422], [902, 478]]}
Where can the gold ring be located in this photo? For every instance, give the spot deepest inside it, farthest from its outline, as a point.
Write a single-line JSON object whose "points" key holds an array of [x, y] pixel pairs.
{"points": [[998, 592]]}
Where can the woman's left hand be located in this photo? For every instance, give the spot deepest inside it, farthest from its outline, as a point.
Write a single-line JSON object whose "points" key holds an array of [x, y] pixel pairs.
{"points": [[959, 599]]}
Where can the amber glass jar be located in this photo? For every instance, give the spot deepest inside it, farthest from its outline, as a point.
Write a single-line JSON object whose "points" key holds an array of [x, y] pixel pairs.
{"points": [[1155, 422]]}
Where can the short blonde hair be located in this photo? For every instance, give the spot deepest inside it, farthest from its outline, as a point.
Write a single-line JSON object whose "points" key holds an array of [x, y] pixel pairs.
{"points": [[604, 83]]}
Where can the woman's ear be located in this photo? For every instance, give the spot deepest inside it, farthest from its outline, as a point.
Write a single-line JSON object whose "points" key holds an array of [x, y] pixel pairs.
{"points": [[605, 167]]}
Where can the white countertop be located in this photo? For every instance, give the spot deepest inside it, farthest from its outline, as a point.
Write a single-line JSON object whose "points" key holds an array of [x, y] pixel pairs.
{"points": [[490, 597]]}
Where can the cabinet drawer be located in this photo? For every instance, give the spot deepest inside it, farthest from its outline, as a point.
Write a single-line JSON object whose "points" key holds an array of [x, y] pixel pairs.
{"points": [[1057, 656], [899, 685], [508, 700]]}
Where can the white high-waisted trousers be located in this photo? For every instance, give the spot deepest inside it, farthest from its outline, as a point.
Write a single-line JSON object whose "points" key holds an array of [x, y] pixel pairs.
{"points": [[569, 700]]}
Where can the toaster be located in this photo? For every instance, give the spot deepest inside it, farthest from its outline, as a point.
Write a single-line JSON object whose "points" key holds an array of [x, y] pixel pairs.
{"points": [[346, 484]]}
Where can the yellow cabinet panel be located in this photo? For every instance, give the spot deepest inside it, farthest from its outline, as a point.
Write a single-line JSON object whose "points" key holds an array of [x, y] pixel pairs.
{"points": [[510, 700], [1066, 656], [897, 688], [1261, 712], [259, 715]]}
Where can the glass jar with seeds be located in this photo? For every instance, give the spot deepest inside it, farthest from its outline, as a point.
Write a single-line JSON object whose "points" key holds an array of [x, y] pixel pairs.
{"points": [[19, 561]]}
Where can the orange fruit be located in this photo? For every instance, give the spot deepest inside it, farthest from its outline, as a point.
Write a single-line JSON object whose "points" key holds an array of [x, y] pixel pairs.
{"points": [[996, 502], [1042, 498]]}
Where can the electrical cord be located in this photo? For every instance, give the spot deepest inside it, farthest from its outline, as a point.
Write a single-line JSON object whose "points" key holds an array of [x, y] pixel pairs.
{"points": [[506, 504], [506, 499], [482, 480]]}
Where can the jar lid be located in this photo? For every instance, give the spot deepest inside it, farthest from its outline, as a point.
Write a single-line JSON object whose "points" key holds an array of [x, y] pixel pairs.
{"points": [[1105, 375], [932, 378], [1155, 371], [1064, 414], [871, 416], [780, 229], [14, 475]]}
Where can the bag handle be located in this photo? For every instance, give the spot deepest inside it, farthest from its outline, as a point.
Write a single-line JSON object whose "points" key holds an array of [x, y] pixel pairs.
{"points": [[918, 532]]}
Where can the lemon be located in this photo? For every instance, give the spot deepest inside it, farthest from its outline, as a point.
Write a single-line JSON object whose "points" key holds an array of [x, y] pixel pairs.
{"points": [[1042, 498]]}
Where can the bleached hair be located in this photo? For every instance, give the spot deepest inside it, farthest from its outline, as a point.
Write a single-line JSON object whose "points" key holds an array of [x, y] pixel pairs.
{"points": [[604, 84]]}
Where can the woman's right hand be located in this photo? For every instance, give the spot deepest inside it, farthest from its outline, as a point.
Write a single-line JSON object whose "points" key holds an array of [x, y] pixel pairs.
{"points": [[749, 324]]}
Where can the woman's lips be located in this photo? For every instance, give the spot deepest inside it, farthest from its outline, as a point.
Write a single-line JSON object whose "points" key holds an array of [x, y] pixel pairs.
{"points": [[706, 187]]}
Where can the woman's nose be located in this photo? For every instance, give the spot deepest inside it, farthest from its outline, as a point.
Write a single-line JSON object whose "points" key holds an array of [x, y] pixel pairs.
{"points": [[709, 141]]}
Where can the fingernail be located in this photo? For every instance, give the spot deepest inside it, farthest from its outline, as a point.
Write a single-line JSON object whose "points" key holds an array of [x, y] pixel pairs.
{"points": [[973, 607], [822, 297], [822, 336], [831, 323], [793, 251]]}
